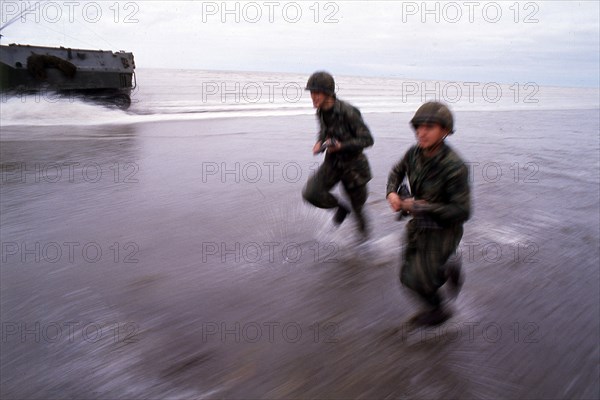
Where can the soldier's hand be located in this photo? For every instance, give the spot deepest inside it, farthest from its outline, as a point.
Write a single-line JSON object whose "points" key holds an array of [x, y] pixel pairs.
{"points": [[408, 204], [336, 147], [395, 201], [421, 206], [317, 147]]}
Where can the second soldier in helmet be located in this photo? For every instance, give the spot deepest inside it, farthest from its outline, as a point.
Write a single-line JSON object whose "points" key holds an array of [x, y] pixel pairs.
{"points": [[440, 204], [343, 135]]}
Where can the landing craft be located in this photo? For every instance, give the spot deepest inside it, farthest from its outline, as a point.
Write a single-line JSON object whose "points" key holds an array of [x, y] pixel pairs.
{"points": [[100, 75]]}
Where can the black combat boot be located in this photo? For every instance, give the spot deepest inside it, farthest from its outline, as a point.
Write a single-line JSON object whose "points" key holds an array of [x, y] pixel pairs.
{"points": [[363, 226], [418, 318], [340, 214], [454, 278], [435, 314]]}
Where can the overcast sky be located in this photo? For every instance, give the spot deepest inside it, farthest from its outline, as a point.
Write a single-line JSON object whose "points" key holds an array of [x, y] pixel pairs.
{"points": [[546, 42]]}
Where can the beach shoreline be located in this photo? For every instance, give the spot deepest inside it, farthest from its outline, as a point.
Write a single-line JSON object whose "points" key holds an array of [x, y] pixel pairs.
{"points": [[190, 240]]}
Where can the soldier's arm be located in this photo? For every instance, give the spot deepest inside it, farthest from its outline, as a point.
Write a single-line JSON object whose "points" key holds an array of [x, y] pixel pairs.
{"points": [[396, 176], [363, 137], [321, 135], [458, 208]]}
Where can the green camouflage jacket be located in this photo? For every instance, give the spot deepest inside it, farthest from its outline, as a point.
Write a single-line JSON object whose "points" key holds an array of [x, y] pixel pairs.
{"points": [[347, 127], [442, 181]]}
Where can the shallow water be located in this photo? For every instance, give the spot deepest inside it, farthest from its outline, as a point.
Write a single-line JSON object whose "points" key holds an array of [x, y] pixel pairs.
{"points": [[177, 259]]}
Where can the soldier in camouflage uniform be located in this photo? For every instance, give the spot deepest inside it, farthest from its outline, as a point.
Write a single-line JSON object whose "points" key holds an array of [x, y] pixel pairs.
{"points": [[440, 204], [343, 136]]}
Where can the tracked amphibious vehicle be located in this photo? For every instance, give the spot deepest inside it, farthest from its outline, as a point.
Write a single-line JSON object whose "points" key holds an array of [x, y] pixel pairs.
{"points": [[103, 76]]}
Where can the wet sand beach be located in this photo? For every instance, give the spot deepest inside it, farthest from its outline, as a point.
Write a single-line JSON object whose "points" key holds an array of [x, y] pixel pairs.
{"points": [[178, 260]]}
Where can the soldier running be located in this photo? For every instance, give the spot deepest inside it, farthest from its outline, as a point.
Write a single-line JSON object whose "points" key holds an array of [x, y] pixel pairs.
{"points": [[343, 136], [440, 204]]}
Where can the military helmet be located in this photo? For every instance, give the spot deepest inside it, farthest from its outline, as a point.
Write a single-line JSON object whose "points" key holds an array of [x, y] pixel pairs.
{"points": [[321, 81], [434, 112]]}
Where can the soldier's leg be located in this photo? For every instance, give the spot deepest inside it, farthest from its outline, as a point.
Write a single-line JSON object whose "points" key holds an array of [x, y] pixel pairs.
{"points": [[433, 311], [453, 274], [411, 270], [317, 188], [452, 267], [420, 273], [438, 268], [358, 197]]}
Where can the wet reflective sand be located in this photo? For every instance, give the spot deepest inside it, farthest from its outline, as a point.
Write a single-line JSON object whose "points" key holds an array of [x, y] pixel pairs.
{"points": [[178, 260]]}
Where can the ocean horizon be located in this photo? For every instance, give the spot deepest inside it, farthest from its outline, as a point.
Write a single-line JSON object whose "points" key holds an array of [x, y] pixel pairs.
{"points": [[187, 94]]}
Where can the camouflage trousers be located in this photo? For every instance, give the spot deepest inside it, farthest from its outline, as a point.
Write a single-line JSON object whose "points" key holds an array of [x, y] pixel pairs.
{"points": [[319, 185], [426, 256]]}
